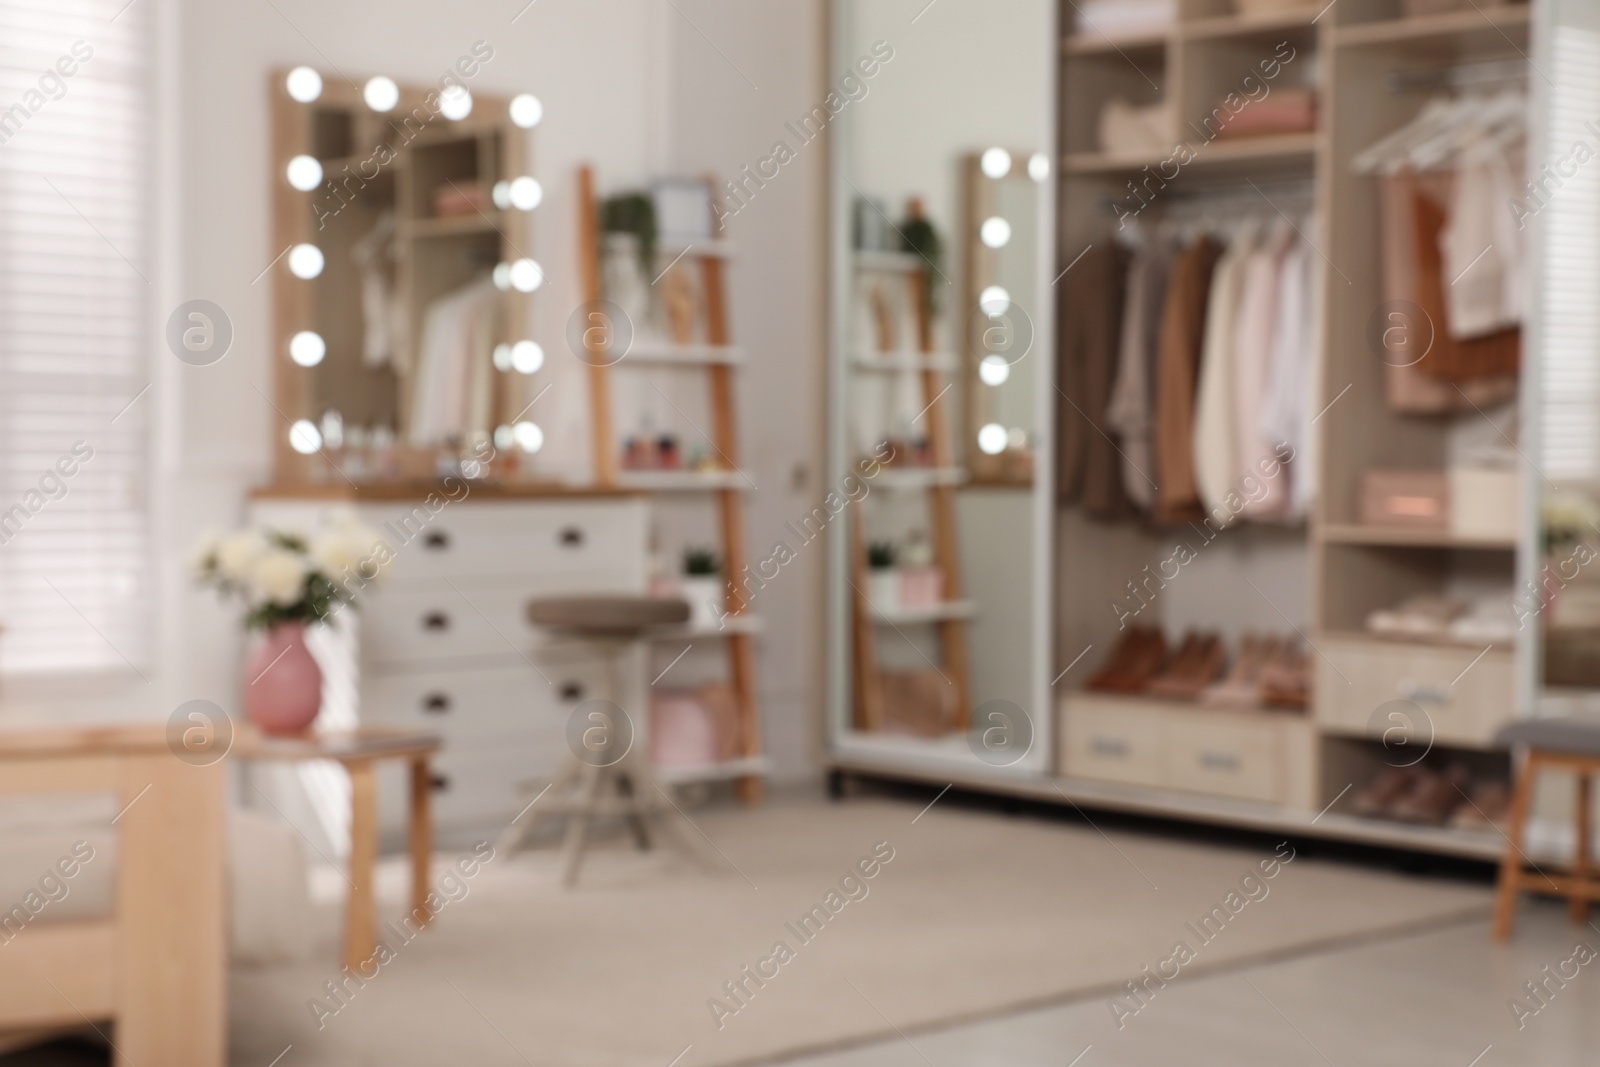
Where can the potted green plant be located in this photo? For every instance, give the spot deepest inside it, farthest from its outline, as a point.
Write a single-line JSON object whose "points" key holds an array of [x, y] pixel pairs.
{"points": [[628, 253], [883, 578], [701, 585]]}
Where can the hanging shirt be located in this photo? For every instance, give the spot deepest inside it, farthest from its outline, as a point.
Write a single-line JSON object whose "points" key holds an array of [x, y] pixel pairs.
{"points": [[1183, 327], [1129, 411], [1216, 445], [453, 379], [1253, 349], [1481, 248], [1284, 418]]}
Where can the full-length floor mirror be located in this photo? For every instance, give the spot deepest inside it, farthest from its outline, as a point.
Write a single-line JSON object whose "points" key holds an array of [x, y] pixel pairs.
{"points": [[942, 131]]}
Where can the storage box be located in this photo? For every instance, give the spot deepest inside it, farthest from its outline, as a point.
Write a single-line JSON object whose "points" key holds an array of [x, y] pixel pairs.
{"points": [[1414, 499], [1483, 502]]}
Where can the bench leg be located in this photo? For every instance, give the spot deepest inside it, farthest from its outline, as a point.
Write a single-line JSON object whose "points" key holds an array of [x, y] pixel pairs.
{"points": [[1505, 903], [1579, 904]]}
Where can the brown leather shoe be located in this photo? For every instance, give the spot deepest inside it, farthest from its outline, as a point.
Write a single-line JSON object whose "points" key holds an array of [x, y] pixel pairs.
{"points": [[1136, 657]]}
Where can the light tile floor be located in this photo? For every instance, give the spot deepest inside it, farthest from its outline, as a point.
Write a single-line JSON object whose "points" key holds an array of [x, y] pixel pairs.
{"points": [[1434, 998]]}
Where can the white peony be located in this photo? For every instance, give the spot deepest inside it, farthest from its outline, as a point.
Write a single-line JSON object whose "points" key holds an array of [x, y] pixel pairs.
{"points": [[349, 547], [237, 553], [334, 553], [277, 576], [204, 555]]}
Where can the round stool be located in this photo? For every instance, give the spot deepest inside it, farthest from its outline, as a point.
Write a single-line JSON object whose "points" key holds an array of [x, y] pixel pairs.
{"points": [[604, 781]]}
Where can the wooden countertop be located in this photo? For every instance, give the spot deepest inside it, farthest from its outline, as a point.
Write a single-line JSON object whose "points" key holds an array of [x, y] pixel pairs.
{"points": [[379, 491]]}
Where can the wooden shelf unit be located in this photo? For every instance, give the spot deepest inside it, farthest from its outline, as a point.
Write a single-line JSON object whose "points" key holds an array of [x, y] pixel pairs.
{"points": [[728, 486]]}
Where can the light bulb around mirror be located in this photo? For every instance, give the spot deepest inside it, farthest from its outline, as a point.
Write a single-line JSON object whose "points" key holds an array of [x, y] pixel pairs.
{"points": [[1016, 437], [305, 261], [502, 357], [381, 93], [996, 162], [528, 435], [304, 437], [526, 357], [304, 173], [1038, 166], [525, 193], [992, 439], [994, 301], [304, 84], [307, 348], [502, 276], [501, 194], [455, 103], [996, 232], [994, 370], [526, 111], [503, 437], [526, 276]]}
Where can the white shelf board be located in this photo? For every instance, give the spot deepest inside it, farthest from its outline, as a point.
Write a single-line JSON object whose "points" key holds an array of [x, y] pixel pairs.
{"points": [[733, 624], [904, 361], [670, 248], [897, 616], [681, 481], [666, 352], [749, 766]]}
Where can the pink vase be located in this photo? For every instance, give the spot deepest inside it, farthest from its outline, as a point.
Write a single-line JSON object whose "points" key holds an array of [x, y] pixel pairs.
{"points": [[282, 682]]}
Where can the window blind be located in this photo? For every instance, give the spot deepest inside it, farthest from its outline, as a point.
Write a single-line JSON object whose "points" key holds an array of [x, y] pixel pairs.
{"points": [[1569, 364], [75, 283]]}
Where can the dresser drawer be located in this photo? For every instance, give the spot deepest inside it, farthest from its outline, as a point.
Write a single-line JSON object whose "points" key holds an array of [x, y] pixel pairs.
{"points": [[1119, 743], [476, 788], [1228, 759], [493, 538], [471, 617], [1363, 675], [471, 707]]}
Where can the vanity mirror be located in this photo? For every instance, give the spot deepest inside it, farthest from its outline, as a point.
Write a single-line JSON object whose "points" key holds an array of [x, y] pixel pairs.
{"points": [[942, 127], [402, 295]]}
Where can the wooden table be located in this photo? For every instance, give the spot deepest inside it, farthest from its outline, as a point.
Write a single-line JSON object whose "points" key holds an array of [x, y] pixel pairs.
{"points": [[358, 750]]}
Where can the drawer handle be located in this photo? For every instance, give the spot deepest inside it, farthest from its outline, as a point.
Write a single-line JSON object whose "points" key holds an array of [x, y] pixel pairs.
{"points": [[436, 703], [436, 620], [1109, 746], [571, 537], [439, 783], [436, 540], [571, 691], [1423, 694], [1222, 761]]}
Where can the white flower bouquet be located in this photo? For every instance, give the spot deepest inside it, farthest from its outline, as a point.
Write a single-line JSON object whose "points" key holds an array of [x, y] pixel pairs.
{"points": [[284, 577]]}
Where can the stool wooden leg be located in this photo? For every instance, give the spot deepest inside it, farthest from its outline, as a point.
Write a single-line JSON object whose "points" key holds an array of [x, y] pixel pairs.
{"points": [[1505, 904], [360, 919], [1578, 907], [590, 792], [420, 838]]}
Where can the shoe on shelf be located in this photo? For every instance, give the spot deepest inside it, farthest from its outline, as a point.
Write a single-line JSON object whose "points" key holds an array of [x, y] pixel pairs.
{"points": [[1241, 687], [1490, 807], [1286, 677], [1132, 662], [1199, 662], [1376, 798], [1433, 797]]}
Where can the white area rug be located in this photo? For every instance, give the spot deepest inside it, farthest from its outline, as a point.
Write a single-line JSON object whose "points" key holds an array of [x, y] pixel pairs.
{"points": [[975, 914]]}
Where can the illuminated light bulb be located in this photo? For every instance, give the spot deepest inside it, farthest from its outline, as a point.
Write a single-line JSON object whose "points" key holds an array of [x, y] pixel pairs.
{"points": [[307, 348], [526, 276], [304, 437], [305, 261], [995, 231], [992, 439], [501, 194], [526, 111], [381, 94], [455, 103], [304, 84], [526, 193], [502, 276], [503, 437], [994, 370], [526, 357], [304, 173], [994, 301], [1038, 166], [996, 162], [528, 436], [502, 357]]}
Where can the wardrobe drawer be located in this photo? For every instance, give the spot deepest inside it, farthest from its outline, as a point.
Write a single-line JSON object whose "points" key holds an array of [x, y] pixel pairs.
{"points": [[1464, 709], [491, 538], [427, 620], [1112, 742], [468, 707], [1228, 759]]}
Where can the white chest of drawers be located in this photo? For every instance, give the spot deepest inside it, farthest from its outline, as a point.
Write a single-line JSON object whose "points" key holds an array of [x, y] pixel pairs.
{"points": [[442, 644]]}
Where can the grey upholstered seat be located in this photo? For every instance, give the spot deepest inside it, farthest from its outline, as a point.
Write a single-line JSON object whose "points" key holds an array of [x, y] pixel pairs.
{"points": [[1564, 734], [606, 615]]}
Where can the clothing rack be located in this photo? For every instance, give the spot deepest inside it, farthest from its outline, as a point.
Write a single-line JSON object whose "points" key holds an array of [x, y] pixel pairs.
{"points": [[1264, 195]]}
